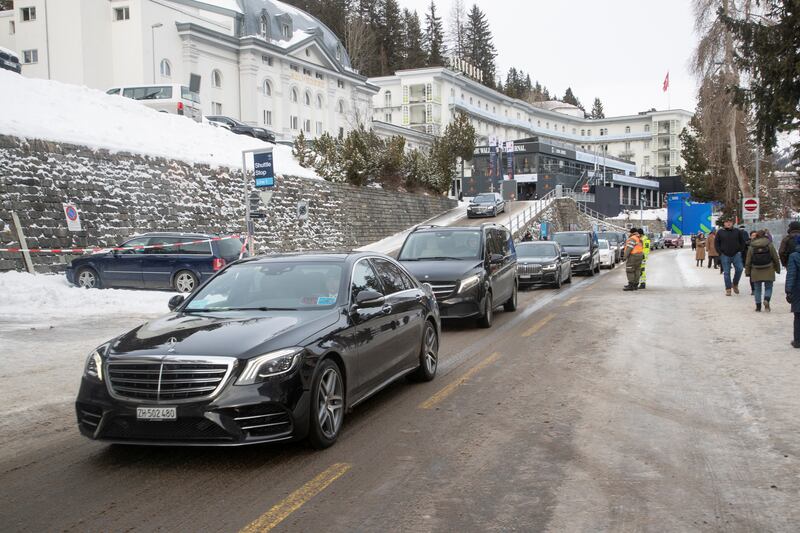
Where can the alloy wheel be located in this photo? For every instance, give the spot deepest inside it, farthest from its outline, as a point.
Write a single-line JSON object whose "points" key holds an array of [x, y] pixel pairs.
{"points": [[330, 405], [87, 279], [431, 349], [185, 282]]}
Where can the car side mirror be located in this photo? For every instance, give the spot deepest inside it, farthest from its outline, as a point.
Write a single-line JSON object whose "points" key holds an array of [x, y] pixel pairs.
{"points": [[368, 299], [564, 255], [495, 259], [175, 301]]}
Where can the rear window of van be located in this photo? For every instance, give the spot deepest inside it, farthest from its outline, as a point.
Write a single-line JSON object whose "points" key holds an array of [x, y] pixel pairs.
{"points": [[148, 93]]}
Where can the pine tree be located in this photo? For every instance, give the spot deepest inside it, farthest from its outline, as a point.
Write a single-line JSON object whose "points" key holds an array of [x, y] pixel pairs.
{"points": [[434, 38], [415, 56], [569, 98], [456, 34], [480, 48], [597, 109], [390, 31], [301, 151], [695, 173]]}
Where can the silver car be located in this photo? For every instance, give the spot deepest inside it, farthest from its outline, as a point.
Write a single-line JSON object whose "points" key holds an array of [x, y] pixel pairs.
{"points": [[166, 98]]}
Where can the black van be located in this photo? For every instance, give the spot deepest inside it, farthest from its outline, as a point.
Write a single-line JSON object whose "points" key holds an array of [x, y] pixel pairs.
{"points": [[472, 270], [582, 248]]}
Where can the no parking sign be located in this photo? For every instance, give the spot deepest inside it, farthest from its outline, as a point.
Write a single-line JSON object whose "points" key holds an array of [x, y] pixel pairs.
{"points": [[73, 218]]}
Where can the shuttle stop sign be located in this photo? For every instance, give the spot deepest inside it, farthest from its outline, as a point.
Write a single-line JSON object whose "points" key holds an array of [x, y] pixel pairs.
{"points": [[750, 209]]}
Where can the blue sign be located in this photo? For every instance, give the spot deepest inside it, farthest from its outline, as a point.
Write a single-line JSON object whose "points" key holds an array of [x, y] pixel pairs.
{"points": [[263, 170]]}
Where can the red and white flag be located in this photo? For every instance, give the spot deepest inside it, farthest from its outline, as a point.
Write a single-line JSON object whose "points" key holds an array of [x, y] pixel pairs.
{"points": [[666, 82]]}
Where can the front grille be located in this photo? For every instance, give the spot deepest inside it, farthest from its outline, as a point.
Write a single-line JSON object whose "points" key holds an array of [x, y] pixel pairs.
{"points": [[443, 289], [201, 429], [528, 269], [262, 420], [169, 380]]}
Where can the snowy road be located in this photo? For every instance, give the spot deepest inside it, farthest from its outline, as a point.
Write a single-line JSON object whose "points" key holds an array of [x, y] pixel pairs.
{"points": [[589, 409]]}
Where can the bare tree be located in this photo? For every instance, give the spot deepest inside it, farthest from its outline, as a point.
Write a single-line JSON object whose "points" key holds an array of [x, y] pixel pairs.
{"points": [[359, 40], [456, 30], [722, 121]]}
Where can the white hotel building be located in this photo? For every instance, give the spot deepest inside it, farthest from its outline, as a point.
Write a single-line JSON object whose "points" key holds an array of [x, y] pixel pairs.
{"points": [[427, 99], [260, 61]]}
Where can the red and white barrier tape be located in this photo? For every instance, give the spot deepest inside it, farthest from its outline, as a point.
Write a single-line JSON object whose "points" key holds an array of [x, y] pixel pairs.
{"points": [[113, 249]]}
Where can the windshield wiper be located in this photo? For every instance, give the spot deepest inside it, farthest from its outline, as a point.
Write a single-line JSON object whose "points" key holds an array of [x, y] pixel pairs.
{"points": [[440, 258], [262, 308]]}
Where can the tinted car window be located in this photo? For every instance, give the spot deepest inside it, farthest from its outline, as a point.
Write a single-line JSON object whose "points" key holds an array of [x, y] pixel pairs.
{"points": [[148, 93], [200, 248], [229, 247], [537, 250], [571, 239], [140, 241], [484, 198], [493, 245], [112, 91], [281, 285], [161, 241], [391, 276], [458, 244], [364, 278]]}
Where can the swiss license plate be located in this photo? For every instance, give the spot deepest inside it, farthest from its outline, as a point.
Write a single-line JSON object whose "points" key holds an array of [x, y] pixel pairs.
{"points": [[525, 276], [156, 413]]}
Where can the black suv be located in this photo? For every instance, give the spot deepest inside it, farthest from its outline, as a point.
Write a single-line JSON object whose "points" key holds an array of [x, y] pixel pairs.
{"points": [[472, 269], [582, 248], [9, 60], [242, 129]]}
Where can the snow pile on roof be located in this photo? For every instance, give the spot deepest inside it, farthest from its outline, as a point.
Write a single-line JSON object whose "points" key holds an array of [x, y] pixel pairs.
{"points": [[55, 111], [9, 52], [46, 298]]}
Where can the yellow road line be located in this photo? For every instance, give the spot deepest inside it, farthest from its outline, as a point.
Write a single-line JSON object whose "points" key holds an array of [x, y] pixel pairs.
{"points": [[571, 301], [539, 325], [449, 389], [297, 499]]}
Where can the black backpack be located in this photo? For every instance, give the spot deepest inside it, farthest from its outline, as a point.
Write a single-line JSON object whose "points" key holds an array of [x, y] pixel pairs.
{"points": [[761, 257]]}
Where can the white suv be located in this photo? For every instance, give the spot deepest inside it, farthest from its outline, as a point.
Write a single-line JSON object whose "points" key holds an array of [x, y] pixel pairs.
{"points": [[166, 98]]}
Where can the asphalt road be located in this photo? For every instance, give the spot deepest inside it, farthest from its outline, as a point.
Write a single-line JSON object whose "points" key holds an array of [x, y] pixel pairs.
{"points": [[588, 409]]}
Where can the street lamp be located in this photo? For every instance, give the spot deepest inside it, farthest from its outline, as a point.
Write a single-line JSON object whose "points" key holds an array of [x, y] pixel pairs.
{"points": [[153, 45]]}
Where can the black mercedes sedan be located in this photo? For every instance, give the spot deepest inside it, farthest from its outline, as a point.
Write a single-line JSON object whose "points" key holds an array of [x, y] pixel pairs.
{"points": [[241, 128], [269, 349]]}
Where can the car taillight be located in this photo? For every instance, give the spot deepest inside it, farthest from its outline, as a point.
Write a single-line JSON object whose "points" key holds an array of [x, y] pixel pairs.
{"points": [[218, 263], [180, 108]]}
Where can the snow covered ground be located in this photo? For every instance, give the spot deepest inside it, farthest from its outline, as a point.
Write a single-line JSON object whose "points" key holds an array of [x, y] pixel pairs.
{"points": [[647, 214], [55, 111]]}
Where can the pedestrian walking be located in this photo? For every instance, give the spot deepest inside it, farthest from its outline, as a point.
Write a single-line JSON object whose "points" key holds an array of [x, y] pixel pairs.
{"points": [[787, 243], [730, 243], [700, 253], [793, 285], [761, 265], [753, 235], [527, 237], [694, 241], [711, 246], [634, 255], [645, 255]]}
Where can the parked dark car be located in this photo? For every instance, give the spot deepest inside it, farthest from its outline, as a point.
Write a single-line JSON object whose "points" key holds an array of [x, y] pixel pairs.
{"points": [[243, 129], [271, 349], [152, 261], [472, 269], [543, 262], [617, 245], [487, 204], [673, 241], [582, 249], [9, 60]]}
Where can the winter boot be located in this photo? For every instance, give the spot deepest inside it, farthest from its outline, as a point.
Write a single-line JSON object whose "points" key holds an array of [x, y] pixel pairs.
{"points": [[736, 289], [630, 287], [766, 306], [758, 308], [727, 292]]}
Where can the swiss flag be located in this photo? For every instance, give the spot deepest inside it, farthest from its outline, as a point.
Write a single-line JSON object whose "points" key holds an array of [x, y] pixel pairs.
{"points": [[666, 82]]}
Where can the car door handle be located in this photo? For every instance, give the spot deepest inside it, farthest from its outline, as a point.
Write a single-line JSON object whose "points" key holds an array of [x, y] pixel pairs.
{"points": [[387, 309]]}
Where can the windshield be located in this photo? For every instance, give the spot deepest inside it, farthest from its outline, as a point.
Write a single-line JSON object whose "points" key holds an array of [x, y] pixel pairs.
{"points": [[603, 244], [536, 250], [610, 237], [438, 245], [270, 286], [572, 239], [483, 199], [229, 247]]}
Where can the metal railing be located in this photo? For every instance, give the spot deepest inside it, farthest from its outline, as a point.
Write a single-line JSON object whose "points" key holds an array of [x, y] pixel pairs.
{"points": [[520, 222], [600, 218]]}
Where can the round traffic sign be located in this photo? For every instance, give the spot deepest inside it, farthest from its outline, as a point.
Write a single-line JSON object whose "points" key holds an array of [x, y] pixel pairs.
{"points": [[750, 205], [72, 214], [585, 187]]}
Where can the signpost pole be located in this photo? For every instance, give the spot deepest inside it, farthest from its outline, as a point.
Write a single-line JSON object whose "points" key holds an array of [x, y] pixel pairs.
{"points": [[247, 222], [757, 195]]}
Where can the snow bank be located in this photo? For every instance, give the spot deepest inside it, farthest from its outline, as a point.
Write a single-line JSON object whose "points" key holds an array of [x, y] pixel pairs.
{"points": [[55, 111], [647, 214], [49, 298]]}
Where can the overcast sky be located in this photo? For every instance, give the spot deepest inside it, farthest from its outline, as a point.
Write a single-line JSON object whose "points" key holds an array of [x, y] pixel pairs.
{"points": [[617, 50]]}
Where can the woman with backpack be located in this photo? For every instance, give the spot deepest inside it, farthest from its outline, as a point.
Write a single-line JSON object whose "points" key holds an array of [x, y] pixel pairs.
{"points": [[793, 282], [700, 254], [761, 266], [753, 235]]}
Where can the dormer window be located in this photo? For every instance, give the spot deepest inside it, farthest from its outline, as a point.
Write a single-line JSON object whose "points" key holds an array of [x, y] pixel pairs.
{"points": [[338, 53], [286, 31], [264, 27]]}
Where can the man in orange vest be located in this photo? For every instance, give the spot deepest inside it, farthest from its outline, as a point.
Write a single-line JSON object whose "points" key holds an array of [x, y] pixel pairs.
{"points": [[634, 254]]}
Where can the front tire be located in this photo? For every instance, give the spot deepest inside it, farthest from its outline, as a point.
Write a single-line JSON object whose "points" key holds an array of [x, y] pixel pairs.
{"points": [[327, 406], [569, 278], [511, 303], [485, 321], [558, 282], [428, 356], [87, 278], [184, 281]]}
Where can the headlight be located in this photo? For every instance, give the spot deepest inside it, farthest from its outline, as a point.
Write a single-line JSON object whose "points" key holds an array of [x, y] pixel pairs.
{"points": [[468, 283], [551, 266], [94, 364], [269, 364], [585, 256]]}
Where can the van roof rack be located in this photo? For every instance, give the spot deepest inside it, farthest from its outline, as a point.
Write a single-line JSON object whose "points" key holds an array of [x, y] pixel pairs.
{"points": [[424, 226]]}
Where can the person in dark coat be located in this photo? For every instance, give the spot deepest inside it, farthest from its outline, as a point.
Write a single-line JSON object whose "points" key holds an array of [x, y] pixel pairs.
{"points": [[753, 235], [694, 241], [761, 265], [729, 243], [713, 254], [787, 243], [793, 288]]}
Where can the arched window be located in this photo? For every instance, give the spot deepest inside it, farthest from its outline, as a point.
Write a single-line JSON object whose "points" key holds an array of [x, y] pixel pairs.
{"points": [[216, 78], [294, 95], [341, 106], [264, 27], [166, 69], [387, 98], [307, 98], [267, 88], [319, 101], [627, 129]]}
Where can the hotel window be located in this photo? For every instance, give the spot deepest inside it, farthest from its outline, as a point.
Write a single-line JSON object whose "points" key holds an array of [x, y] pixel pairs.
{"points": [[494, 109], [341, 106], [647, 145], [294, 68], [563, 129], [470, 100], [166, 69], [264, 27], [267, 88], [120, 13], [341, 133], [268, 117], [319, 76], [307, 98], [307, 126], [583, 133], [308, 52], [267, 60], [387, 99], [627, 147], [319, 101], [452, 92], [216, 79], [306, 72], [285, 31], [627, 129], [319, 128], [547, 125], [479, 104], [340, 84], [294, 122], [216, 108], [30, 57], [487, 107], [387, 117], [589, 133], [574, 131], [647, 128], [28, 14], [538, 123], [647, 164], [293, 95], [12, 28]]}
